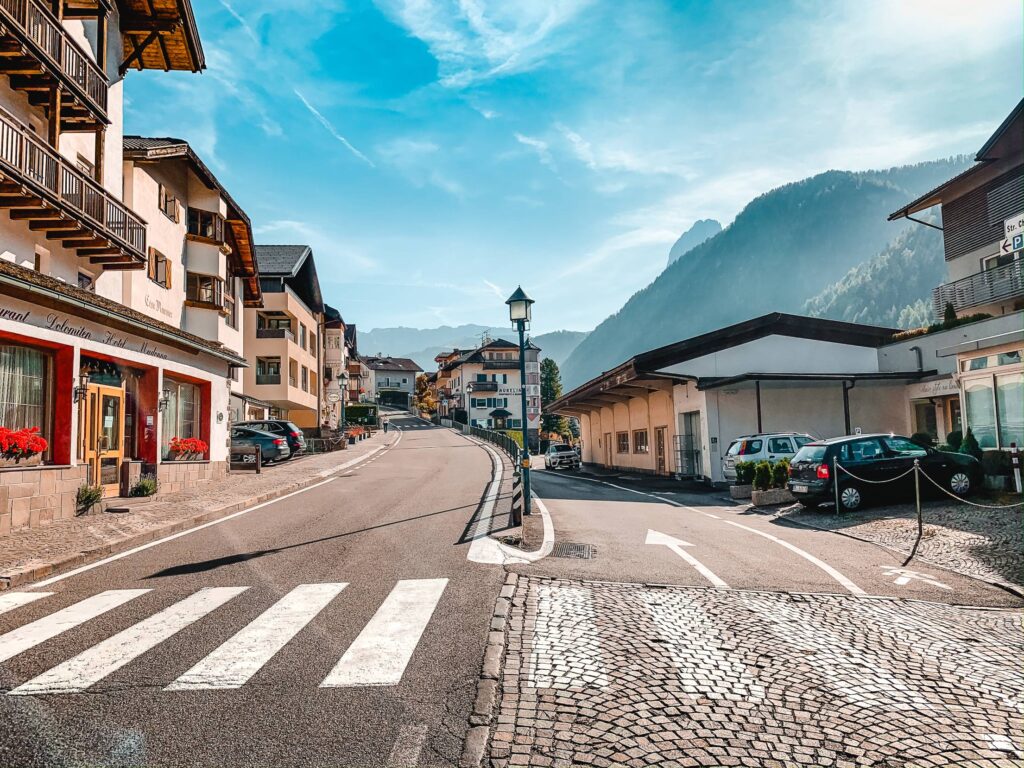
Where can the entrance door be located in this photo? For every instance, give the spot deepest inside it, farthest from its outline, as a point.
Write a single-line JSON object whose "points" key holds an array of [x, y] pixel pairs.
{"points": [[608, 449], [659, 450], [689, 444], [104, 448]]}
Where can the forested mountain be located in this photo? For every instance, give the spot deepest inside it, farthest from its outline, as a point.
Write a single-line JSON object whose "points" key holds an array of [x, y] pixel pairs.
{"points": [[558, 345], [893, 288], [785, 247], [701, 230]]}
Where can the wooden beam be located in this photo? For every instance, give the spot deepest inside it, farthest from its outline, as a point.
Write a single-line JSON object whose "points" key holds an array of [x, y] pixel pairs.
{"points": [[17, 201], [35, 214], [133, 25], [122, 267], [138, 51], [56, 97], [53, 226], [98, 154], [107, 250], [79, 241], [110, 259]]}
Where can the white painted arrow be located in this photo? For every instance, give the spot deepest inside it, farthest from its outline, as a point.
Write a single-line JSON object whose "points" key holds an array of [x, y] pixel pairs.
{"points": [[676, 545], [904, 576]]}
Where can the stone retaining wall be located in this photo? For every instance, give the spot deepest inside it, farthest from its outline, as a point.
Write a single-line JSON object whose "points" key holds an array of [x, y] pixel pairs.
{"points": [[174, 476], [35, 496]]}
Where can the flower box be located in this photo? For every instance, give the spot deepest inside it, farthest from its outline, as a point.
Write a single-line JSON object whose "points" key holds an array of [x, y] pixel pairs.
{"points": [[187, 449], [741, 492], [15, 462], [21, 447], [772, 497]]}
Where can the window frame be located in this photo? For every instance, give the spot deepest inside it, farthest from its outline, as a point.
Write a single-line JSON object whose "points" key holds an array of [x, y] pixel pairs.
{"points": [[166, 200], [155, 259], [622, 442], [46, 405], [200, 222], [216, 288], [641, 441]]}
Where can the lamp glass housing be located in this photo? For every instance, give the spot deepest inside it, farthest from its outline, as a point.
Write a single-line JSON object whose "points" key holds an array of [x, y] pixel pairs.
{"points": [[519, 310]]}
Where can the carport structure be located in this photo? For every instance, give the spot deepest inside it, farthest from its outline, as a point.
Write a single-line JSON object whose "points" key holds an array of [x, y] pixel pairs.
{"points": [[674, 410]]}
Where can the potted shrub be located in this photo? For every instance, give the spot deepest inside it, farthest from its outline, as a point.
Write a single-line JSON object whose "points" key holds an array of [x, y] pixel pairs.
{"points": [[87, 497], [187, 449], [21, 447], [744, 480], [770, 484]]}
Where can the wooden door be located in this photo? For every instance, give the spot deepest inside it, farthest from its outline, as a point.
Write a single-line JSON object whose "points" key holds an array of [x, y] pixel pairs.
{"points": [[608, 449], [659, 449], [104, 444]]}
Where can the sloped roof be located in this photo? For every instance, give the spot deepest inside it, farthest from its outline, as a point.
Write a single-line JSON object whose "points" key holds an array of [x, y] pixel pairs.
{"points": [[391, 364], [294, 264], [161, 34]]}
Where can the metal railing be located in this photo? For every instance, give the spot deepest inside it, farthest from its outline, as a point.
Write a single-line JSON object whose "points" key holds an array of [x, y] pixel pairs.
{"points": [[59, 51], [275, 333], [29, 160], [1005, 282], [268, 378]]}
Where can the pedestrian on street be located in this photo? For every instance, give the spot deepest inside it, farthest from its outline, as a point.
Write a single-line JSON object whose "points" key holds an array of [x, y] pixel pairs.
{"points": [[384, 421]]}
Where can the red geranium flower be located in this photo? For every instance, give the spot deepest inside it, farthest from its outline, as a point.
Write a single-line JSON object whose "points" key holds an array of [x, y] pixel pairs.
{"points": [[21, 443]]}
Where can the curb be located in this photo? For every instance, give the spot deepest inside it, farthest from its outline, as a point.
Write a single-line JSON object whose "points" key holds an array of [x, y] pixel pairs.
{"points": [[489, 684], [1013, 589], [30, 574]]}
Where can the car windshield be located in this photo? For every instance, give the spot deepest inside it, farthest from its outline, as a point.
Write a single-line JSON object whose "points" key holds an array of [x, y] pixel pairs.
{"points": [[561, 449], [802, 440], [810, 453]]}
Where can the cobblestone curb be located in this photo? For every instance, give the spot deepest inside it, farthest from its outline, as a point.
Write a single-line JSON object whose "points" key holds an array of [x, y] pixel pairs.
{"points": [[489, 686], [42, 568]]}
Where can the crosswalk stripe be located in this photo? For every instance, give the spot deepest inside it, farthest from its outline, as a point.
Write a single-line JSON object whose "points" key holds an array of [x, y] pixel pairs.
{"points": [[30, 635], [380, 653], [14, 600], [241, 657], [105, 658]]}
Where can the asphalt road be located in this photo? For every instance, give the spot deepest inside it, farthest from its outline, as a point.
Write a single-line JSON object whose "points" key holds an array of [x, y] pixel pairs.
{"points": [[726, 545], [381, 671]]}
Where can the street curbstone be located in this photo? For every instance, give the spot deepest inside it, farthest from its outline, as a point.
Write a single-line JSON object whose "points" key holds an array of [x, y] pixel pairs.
{"points": [[492, 662], [473, 750]]}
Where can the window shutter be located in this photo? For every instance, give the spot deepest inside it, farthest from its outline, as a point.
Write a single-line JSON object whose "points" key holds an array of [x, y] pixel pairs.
{"points": [[177, 211], [151, 266]]}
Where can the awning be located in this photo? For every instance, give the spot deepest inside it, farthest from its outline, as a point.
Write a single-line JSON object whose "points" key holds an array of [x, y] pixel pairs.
{"points": [[718, 383], [500, 413]]}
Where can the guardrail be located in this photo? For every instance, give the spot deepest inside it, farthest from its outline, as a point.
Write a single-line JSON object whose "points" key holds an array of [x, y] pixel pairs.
{"points": [[1005, 282]]}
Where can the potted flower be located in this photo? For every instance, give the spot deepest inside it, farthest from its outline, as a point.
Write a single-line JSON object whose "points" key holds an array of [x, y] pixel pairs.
{"points": [[21, 447], [187, 449]]}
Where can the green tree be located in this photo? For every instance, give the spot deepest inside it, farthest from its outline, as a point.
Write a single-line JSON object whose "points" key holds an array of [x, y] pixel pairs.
{"points": [[551, 390], [425, 395]]}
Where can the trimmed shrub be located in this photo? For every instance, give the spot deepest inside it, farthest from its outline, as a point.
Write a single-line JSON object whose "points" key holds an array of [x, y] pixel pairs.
{"points": [[949, 314], [953, 440], [360, 413], [744, 472], [763, 476], [780, 473], [922, 438], [146, 486], [970, 445], [87, 497]]}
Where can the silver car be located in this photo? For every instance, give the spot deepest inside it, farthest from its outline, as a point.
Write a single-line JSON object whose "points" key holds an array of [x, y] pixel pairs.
{"points": [[762, 447], [561, 455]]}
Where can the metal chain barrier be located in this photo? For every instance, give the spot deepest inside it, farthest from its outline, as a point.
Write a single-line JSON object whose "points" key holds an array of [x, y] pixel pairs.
{"points": [[875, 482], [965, 501]]}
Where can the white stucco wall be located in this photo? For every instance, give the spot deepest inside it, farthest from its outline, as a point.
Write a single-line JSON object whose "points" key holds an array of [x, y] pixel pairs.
{"points": [[781, 354]]}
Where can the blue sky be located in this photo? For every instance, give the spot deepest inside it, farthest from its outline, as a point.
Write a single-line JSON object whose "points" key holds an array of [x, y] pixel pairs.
{"points": [[436, 153]]}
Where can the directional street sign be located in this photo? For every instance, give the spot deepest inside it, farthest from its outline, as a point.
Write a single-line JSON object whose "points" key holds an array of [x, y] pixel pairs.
{"points": [[904, 577], [1011, 244]]}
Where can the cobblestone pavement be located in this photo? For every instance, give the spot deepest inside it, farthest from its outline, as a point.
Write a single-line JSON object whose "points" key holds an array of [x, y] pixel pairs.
{"points": [[620, 674], [986, 543], [26, 549]]}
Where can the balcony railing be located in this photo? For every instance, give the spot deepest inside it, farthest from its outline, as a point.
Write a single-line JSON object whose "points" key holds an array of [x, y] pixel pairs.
{"points": [[31, 162], [274, 333], [990, 286], [268, 378], [502, 365], [62, 54], [483, 386]]}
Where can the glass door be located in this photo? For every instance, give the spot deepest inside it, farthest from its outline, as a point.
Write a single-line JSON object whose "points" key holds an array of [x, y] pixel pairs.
{"points": [[104, 446]]}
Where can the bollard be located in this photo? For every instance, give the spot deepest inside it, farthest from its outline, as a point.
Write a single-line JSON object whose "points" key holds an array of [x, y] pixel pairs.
{"points": [[517, 498], [1015, 459]]}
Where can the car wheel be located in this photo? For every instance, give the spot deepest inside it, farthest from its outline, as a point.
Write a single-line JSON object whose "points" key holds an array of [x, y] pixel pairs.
{"points": [[851, 498], [960, 483]]}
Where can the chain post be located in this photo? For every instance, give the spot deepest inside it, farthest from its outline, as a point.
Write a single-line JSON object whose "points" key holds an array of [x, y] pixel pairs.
{"points": [[920, 518], [835, 480]]}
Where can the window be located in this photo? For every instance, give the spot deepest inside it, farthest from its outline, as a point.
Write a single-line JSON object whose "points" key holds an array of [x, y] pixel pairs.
{"points": [[276, 322], [868, 449], [622, 442], [181, 419], [779, 445], [204, 289], [168, 204], [305, 379], [206, 225], [1010, 402], [312, 341], [302, 335], [25, 388], [230, 303], [86, 281], [904, 447], [640, 441], [159, 268], [981, 414], [481, 377], [745, 447], [268, 370]]}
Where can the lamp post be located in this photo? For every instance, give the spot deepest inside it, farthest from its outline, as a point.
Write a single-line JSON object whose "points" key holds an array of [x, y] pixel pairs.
{"points": [[519, 313], [343, 381]]}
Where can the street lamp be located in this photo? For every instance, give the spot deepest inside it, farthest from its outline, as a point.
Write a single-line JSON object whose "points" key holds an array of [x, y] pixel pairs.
{"points": [[343, 382], [519, 313]]}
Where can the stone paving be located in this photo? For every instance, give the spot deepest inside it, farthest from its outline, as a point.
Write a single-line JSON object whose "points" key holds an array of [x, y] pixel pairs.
{"points": [[604, 674], [985, 543], [26, 554]]}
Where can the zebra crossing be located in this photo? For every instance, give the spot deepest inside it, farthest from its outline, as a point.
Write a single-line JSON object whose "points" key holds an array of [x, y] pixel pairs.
{"points": [[378, 656]]}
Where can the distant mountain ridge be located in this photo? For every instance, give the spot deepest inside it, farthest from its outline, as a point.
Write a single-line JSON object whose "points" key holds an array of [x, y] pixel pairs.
{"points": [[701, 230], [424, 344], [785, 247]]}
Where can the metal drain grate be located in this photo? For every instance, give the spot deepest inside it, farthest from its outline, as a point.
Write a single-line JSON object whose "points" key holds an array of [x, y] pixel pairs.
{"points": [[573, 550]]}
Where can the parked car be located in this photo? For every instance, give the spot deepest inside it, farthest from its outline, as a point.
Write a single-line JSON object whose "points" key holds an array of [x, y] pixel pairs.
{"points": [[272, 447], [769, 446], [874, 459], [561, 455], [280, 428]]}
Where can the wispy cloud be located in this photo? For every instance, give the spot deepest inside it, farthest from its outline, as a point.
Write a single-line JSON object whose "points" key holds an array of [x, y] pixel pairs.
{"points": [[328, 247], [496, 290], [420, 161], [331, 129], [539, 146], [249, 31]]}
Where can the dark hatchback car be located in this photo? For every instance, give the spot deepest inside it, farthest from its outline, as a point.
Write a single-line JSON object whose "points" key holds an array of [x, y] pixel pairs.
{"points": [[280, 428], [867, 462], [272, 447]]}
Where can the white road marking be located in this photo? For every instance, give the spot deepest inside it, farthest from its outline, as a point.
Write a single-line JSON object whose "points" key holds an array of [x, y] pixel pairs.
{"points": [[12, 600], [241, 657], [676, 545], [904, 576], [379, 655], [408, 745], [484, 549], [566, 644], [325, 473], [30, 635], [91, 666], [845, 582]]}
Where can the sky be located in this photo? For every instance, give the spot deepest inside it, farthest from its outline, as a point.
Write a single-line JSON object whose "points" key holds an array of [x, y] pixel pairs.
{"points": [[437, 153]]}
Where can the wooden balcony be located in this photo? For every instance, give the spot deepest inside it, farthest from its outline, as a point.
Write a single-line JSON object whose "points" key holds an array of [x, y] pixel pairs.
{"points": [[988, 287], [54, 197], [41, 58]]}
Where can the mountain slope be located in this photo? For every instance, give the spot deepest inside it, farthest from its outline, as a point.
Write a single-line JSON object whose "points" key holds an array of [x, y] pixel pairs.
{"points": [[558, 345], [785, 247], [691, 238], [892, 288]]}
